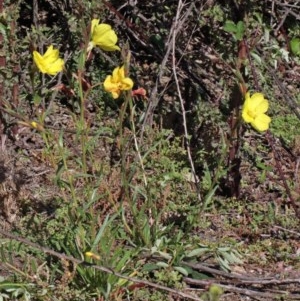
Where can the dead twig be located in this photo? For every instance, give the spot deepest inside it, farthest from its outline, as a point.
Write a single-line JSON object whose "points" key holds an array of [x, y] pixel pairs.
{"points": [[241, 279], [177, 25], [154, 98], [244, 291], [287, 230]]}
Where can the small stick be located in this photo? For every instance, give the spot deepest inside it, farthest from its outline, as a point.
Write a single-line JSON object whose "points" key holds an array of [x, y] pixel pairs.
{"points": [[177, 25]]}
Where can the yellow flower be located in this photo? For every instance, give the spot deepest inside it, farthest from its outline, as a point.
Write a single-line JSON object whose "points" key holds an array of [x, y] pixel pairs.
{"points": [[92, 255], [37, 126], [254, 110], [50, 62], [117, 82], [103, 36]]}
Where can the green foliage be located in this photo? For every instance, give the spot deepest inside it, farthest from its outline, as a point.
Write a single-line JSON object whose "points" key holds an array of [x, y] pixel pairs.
{"points": [[225, 255], [286, 127], [214, 294], [237, 30], [216, 12], [295, 46], [17, 291]]}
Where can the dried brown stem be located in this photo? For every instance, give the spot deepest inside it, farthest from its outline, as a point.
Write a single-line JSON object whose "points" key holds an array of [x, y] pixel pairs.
{"points": [[244, 291], [177, 26], [241, 279]]}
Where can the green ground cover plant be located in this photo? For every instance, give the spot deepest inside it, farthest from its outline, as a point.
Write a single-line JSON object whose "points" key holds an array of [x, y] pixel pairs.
{"points": [[149, 150]]}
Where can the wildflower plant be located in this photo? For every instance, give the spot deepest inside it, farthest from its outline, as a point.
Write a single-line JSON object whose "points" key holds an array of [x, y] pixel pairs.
{"points": [[78, 87]]}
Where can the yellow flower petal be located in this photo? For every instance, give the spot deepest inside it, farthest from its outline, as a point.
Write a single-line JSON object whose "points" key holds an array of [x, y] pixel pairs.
{"points": [[51, 54], [261, 122], [38, 59], [115, 94], [103, 36], [262, 107], [49, 63], [56, 67], [259, 103], [253, 111], [256, 97], [121, 73], [127, 84], [95, 23], [115, 75], [92, 255], [246, 116], [109, 84], [251, 103], [117, 82]]}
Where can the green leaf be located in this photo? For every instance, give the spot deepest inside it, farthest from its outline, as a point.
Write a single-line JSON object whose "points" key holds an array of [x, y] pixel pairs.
{"points": [[295, 46], [240, 30], [197, 252], [37, 99], [262, 166], [157, 41], [162, 264], [3, 30], [229, 257], [256, 57], [148, 267], [230, 26], [215, 292], [101, 231], [81, 60], [224, 263], [165, 255], [182, 270], [199, 276]]}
